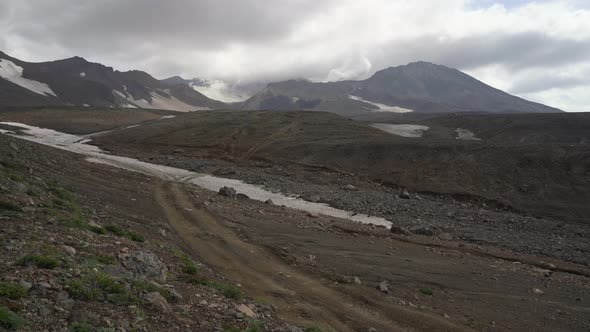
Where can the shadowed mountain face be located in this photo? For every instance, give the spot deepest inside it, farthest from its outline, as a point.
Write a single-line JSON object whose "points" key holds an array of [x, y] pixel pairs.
{"points": [[77, 82], [418, 87]]}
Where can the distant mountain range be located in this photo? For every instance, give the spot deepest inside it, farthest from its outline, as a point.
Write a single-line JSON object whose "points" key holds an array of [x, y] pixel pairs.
{"points": [[77, 82], [419, 87]]}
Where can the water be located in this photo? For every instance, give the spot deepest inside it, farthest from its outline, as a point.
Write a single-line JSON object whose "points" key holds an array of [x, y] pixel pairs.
{"points": [[80, 145]]}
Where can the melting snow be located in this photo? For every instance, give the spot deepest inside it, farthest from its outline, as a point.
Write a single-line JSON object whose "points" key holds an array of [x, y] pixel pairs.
{"points": [[382, 107], [466, 134], [78, 144], [404, 130], [167, 103], [13, 73]]}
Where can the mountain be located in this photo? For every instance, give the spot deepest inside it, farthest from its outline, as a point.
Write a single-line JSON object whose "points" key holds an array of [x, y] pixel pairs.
{"points": [[77, 82], [419, 87]]}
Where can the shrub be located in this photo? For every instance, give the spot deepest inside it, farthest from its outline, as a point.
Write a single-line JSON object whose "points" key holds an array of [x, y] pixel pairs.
{"points": [[9, 320], [115, 229], [99, 286], [12, 291], [426, 291], [8, 206], [41, 261]]}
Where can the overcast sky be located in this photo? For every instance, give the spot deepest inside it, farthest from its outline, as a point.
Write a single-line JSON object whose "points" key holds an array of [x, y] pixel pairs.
{"points": [[539, 50]]}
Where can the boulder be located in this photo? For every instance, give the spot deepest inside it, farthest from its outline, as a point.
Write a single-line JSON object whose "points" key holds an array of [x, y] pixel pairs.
{"points": [[227, 192], [144, 265], [395, 229], [423, 230], [383, 287], [157, 301], [404, 193]]}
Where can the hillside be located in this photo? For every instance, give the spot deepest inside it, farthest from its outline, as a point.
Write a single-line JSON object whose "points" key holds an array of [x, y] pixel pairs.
{"points": [[418, 87], [77, 82]]}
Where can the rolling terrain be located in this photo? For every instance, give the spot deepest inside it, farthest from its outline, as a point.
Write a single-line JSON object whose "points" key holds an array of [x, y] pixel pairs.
{"points": [[451, 261]]}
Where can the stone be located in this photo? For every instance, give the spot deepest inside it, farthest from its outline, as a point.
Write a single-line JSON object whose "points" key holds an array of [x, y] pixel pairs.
{"points": [[25, 284], [227, 192], [395, 229], [445, 236], [157, 301], [68, 250], [315, 198], [242, 196], [423, 230], [63, 300], [350, 187], [383, 287], [144, 265], [404, 193], [313, 214], [246, 310], [269, 202], [14, 146], [537, 291], [175, 296], [357, 280], [21, 187]]}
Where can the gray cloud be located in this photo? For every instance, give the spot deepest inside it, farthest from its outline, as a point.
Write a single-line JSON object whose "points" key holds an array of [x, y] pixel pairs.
{"points": [[254, 40]]}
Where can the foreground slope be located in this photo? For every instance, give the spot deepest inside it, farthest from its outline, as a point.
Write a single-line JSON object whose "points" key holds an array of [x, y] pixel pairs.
{"points": [[77, 82], [417, 87]]}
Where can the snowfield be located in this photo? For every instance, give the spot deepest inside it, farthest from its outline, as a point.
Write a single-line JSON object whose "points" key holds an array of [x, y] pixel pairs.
{"points": [[404, 130], [382, 107], [466, 134], [13, 73]]}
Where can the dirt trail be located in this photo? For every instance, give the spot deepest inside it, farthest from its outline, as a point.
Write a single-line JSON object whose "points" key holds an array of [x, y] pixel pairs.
{"points": [[271, 138], [298, 297]]}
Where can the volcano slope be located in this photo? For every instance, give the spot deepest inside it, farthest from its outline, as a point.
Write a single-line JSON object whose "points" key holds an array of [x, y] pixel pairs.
{"points": [[313, 270]]}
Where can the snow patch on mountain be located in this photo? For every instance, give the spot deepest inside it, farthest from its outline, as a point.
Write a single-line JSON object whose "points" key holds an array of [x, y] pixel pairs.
{"points": [[404, 130], [13, 73], [166, 103], [382, 107], [82, 74]]}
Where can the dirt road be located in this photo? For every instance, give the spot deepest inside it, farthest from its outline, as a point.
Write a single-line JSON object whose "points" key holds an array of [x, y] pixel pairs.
{"points": [[268, 252], [298, 297]]}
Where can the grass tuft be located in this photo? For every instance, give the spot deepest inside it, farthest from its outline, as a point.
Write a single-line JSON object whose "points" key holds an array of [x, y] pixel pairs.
{"points": [[12, 291], [9, 320], [41, 261], [426, 291]]}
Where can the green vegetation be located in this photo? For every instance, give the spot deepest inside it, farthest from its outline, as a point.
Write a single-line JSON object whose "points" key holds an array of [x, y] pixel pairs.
{"points": [[188, 265], [149, 287], [96, 229], [41, 261], [8, 206], [9, 320], [87, 327], [313, 329], [229, 291], [12, 291], [253, 327], [124, 233], [426, 291], [96, 286]]}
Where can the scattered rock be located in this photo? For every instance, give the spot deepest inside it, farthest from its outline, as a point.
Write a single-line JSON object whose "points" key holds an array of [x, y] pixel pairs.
{"points": [[157, 301], [246, 310], [14, 146], [445, 237], [350, 187], [315, 198], [63, 300], [175, 296], [269, 202], [423, 230], [536, 291], [313, 215], [242, 196], [227, 192], [383, 287], [395, 229], [143, 264], [68, 250], [25, 284], [404, 193], [357, 280]]}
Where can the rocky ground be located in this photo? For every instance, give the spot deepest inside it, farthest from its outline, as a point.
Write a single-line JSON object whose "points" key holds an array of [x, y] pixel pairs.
{"points": [[82, 251], [463, 218]]}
